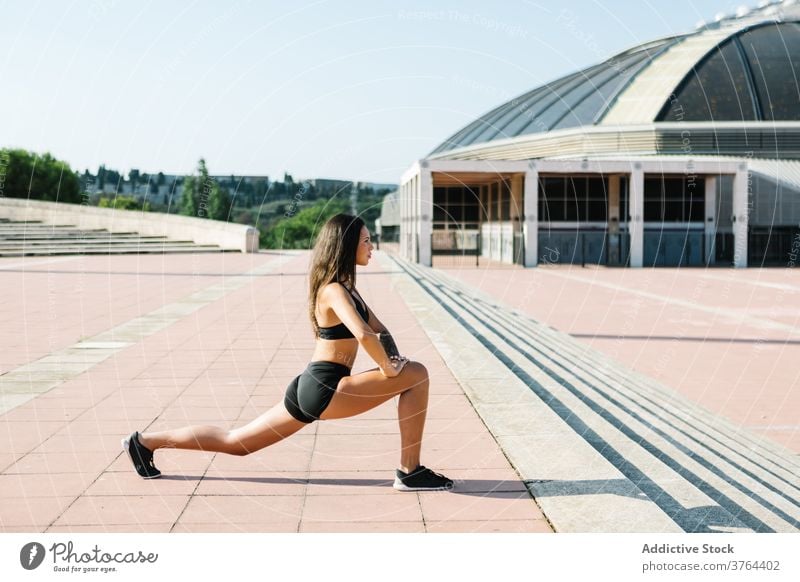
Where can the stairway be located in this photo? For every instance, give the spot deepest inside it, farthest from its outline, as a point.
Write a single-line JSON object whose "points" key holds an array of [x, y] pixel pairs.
{"points": [[21, 239]]}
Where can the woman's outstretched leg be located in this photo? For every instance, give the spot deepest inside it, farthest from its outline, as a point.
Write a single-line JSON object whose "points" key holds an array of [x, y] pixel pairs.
{"points": [[274, 425]]}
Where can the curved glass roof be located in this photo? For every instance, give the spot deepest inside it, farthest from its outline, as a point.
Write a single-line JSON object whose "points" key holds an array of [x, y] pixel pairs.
{"points": [[752, 76], [577, 99]]}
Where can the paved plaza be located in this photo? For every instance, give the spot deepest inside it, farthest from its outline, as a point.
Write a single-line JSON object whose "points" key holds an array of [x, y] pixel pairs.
{"points": [[562, 399]]}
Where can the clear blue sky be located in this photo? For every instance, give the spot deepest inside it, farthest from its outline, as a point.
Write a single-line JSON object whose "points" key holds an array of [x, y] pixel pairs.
{"points": [[355, 90]]}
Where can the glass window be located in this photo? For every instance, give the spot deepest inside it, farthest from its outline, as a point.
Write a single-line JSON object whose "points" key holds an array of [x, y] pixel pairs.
{"points": [[554, 187], [505, 200], [596, 211], [673, 188], [471, 213], [695, 202], [596, 189], [673, 210], [717, 90], [653, 212], [485, 199], [674, 199], [694, 210], [653, 199], [571, 210], [623, 199], [552, 195], [576, 188], [773, 52], [653, 189], [544, 209]]}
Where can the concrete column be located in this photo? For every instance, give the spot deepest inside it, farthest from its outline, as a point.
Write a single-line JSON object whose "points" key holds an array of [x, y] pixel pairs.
{"points": [[613, 203], [415, 218], [636, 222], [516, 211], [490, 204], [403, 221], [740, 217], [400, 203], [425, 215], [530, 222], [499, 196], [613, 220], [412, 216], [410, 196], [710, 217]]}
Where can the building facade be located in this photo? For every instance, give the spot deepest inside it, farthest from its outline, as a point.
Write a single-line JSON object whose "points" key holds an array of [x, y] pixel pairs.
{"points": [[684, 151]]}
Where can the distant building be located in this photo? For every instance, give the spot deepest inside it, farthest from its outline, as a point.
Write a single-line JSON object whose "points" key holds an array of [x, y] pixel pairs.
{"points": [[336, 185], [680, 151], [387, 226]]}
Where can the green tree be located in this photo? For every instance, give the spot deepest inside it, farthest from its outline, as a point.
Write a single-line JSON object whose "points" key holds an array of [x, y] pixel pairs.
{"points": [[203, 197], [123, 203], [133, 177], [38, 177], [219, 203], [115, 178], [259, 192], [299, 230]]}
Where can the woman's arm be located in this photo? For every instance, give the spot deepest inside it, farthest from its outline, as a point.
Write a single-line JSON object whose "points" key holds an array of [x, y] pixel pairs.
{"points": [[336, 297], [375, 323], [387, 341]]}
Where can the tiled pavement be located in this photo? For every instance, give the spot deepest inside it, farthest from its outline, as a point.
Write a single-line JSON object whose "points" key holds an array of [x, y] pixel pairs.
{"points": [[726, 339], [214, 339], [601, 446], [516, 408]]}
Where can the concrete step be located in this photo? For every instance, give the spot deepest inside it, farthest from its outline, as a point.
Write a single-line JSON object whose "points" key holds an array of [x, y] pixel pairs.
{"points": [[32, 225], [107, 250], [583, 429], [79, 237], [52, 233], [6, 243], [19, 239]]}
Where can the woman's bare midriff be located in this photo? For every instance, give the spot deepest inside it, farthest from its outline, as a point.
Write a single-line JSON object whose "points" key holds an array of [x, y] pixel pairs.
{"points": [[341, 351]]}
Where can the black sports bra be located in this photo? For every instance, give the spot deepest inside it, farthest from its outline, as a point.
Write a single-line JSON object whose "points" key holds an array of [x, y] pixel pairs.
{"points": [[340, 331]]}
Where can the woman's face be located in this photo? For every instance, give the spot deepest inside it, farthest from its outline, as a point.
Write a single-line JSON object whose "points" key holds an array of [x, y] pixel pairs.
{"points": [[364, 251]]}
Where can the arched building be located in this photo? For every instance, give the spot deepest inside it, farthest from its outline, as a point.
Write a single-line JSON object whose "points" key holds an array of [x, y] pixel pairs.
{"points": [[681, 151]]}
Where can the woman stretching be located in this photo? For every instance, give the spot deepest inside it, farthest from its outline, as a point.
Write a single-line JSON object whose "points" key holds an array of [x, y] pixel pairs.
{"points": [[326, 390]]}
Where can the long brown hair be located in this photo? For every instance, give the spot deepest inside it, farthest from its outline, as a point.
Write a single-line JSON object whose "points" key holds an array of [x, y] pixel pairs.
{"points": [[333, 258]]}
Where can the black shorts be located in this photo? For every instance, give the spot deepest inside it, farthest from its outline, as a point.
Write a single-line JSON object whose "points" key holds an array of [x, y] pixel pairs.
{"points": [[309, 394]]}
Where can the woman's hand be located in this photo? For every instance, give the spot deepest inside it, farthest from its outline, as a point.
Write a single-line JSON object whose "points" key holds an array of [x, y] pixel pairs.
{"points": [[396, 365]]}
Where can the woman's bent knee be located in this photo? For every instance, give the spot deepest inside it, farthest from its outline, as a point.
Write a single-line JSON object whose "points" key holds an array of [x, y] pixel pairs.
{"points": [[418, 373]]}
